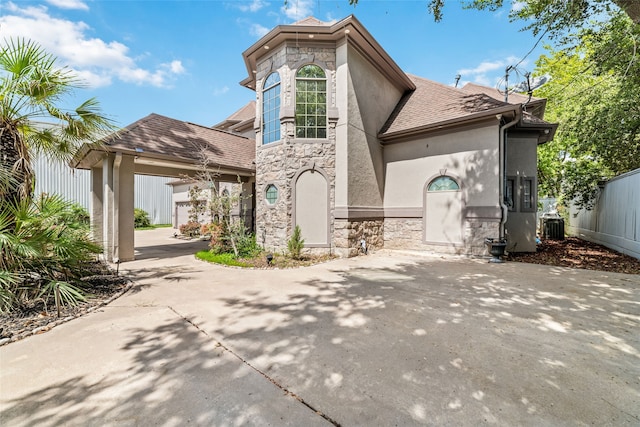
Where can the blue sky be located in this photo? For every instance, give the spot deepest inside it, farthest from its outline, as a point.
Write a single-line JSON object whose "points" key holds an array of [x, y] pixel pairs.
{"points": [[183, 59]]}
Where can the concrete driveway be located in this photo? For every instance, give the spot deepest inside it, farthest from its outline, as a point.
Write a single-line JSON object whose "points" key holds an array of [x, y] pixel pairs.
{"points": [[379, 340]]}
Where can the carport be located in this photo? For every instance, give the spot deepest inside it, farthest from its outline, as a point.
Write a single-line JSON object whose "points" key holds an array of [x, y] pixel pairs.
{"points": [[160, 146]]}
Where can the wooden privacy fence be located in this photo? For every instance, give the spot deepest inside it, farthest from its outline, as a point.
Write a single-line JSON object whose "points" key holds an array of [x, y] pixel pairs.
{"points": [[615, 219]]}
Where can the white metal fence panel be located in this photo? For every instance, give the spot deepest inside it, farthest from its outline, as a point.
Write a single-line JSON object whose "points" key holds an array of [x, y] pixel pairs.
{"points": [[58, 178], [151, 193], [615, 220], [154, 196]]}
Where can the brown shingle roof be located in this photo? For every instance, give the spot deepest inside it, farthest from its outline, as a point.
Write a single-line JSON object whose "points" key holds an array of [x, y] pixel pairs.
{"points": [[244, 113], [157, 135], [514, 98], [434, 103]]}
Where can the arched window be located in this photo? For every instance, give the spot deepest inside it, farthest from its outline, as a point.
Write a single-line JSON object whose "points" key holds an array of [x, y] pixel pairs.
{"points": [[271, 109], [311, 102], [443, 183]]}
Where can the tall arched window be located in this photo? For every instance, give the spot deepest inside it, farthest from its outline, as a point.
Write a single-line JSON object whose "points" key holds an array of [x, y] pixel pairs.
{"points": [[271, 109], [311, 102]]}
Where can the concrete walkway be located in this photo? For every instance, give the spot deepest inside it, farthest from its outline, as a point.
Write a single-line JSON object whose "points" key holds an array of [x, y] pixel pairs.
{"points": [[379, 340]]}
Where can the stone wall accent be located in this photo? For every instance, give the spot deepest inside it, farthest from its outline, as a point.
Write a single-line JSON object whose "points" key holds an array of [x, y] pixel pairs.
{"points": [[477, 231], [349, 233], [278, 163], [408, 234], [403, 233]]}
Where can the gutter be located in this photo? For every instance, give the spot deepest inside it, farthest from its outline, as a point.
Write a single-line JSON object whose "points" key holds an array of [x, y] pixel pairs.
{"points": [[502, 175]]}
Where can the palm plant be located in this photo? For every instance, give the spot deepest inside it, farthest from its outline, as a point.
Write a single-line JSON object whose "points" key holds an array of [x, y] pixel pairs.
{"points": [[43, 255], [32, 121]]}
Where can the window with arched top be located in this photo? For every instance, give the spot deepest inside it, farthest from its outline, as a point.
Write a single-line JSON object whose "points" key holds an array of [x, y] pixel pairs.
{"points": [[271, 109], [443, 183], [311, 102]]}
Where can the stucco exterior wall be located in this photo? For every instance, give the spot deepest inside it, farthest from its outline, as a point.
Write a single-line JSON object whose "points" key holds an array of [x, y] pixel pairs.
{"points": [[359, 154], [471, 157], [520, 228], [370, 99]]}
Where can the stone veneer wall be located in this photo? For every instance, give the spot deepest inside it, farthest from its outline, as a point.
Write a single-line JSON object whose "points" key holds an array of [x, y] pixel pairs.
{"points": [[277, 163], [408, 233], [478, 230], [349, 233]]}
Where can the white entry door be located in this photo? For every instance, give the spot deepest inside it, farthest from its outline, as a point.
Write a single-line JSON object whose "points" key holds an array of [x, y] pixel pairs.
{"points": [[443, 211]]}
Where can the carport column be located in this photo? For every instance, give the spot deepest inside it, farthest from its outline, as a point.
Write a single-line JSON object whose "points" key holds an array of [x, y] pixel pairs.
{"points": [[123, 236], [97, 232], [107, 207], [117, 207]]}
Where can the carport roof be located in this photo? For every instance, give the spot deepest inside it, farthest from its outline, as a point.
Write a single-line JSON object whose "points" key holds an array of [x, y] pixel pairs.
{"points": [[170, 140]]}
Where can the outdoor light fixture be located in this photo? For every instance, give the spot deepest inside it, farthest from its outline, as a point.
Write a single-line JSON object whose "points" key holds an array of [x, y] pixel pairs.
{"points": [[269, 259]]}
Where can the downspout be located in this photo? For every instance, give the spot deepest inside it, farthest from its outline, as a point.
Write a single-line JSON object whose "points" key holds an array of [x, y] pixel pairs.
{"points": [[502, 175]]}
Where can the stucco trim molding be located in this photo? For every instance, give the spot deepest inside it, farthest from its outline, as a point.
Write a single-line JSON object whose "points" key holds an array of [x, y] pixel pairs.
{"points": [[359, 212], [482, 213], [404, 212]]}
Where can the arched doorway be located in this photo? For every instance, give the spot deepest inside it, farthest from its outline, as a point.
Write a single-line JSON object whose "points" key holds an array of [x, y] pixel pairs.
{"points": [[443, 211], [311, 204]]}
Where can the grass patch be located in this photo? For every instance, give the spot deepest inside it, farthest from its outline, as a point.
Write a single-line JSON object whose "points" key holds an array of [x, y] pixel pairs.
{"points": [[260, 260], [154, 226], [224, 259]]}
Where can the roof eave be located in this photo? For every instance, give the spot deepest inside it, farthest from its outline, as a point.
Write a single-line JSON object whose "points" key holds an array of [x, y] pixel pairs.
{"points": [[348, 29]]}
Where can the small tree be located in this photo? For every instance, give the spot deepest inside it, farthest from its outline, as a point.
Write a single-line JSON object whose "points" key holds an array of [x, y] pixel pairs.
{"points": [[296, 243], [227, 234]]}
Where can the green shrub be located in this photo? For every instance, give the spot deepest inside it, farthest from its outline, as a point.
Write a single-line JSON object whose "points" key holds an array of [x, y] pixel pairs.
{"points": [[296, 243], [43, 256], [76, 214], [247, 246], [190, 229], [141, 218]]}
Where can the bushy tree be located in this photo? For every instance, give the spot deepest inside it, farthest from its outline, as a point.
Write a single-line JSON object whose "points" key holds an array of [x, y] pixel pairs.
{"points": [[594, 95]]}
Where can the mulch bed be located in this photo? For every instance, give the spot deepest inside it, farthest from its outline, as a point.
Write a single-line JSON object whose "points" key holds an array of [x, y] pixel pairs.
{"points": [[34, 319], [577, 253]]}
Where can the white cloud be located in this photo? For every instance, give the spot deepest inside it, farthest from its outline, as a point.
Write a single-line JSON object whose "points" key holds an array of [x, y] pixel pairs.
{"points": [[175, 67], [517, 6], [298, 9], [488, 73], [69, 4], [258, 30], [252, 6], [220, 91], [93, 59]]}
